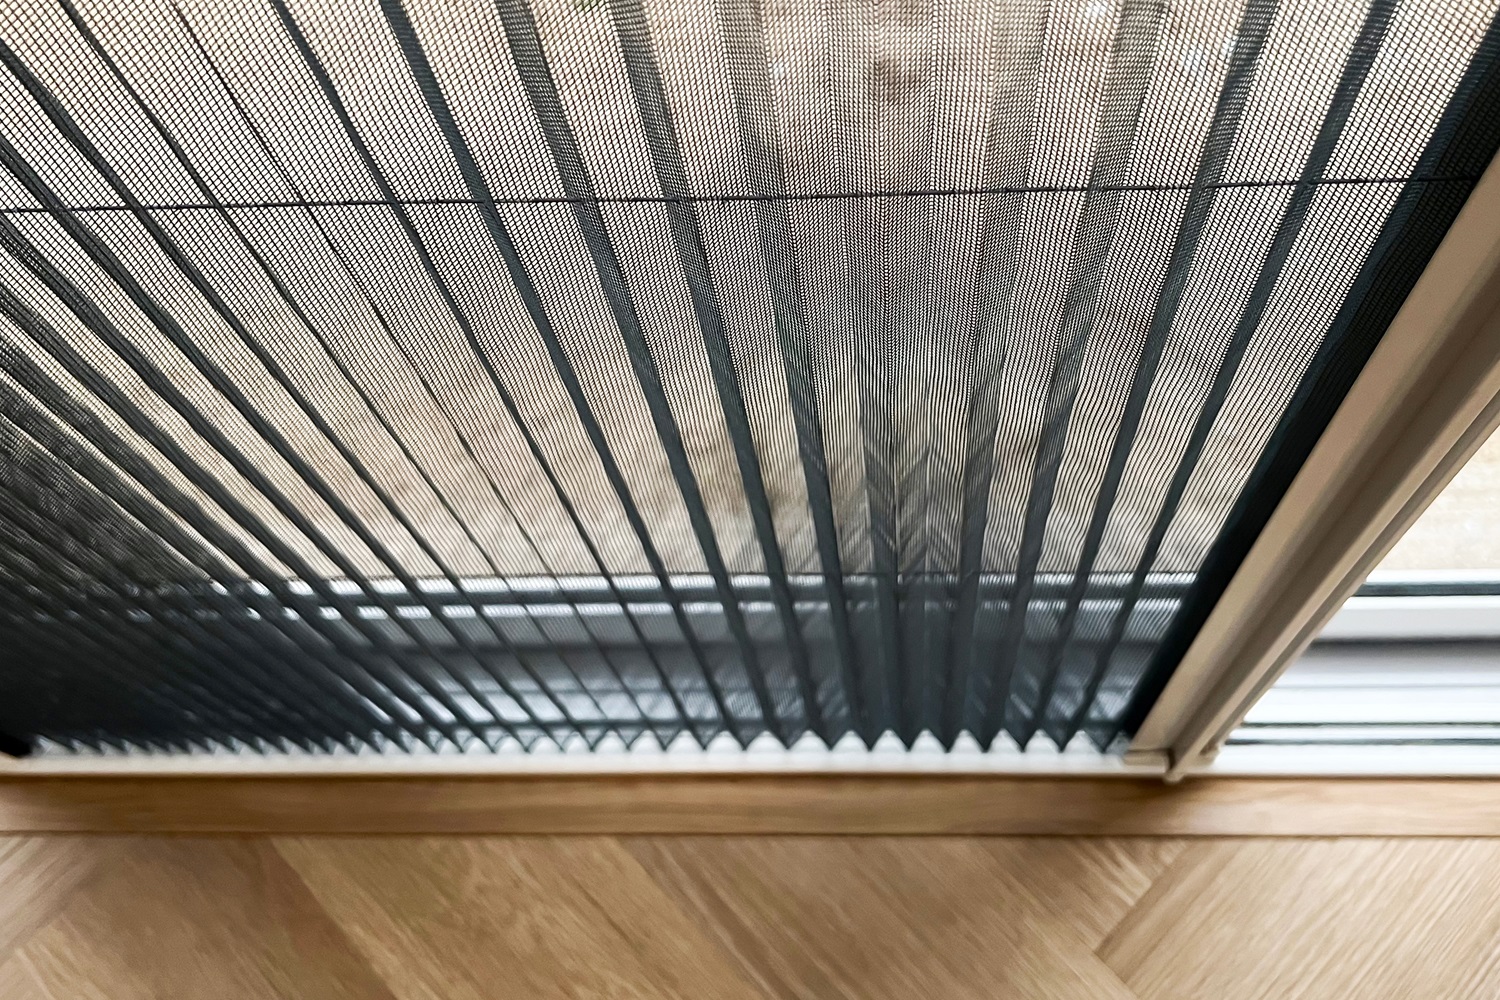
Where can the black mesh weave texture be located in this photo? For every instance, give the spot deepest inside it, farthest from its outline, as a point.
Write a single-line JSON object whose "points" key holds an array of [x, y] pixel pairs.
{"points": [[484, 373]]}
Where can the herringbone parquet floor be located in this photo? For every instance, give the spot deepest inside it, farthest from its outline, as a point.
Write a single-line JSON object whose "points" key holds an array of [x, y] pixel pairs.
{"points": [[454, 918]]}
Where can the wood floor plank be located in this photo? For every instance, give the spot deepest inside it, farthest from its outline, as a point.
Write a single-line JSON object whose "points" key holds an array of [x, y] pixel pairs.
{"points": [[525, 918], [16, 983], [1317, 920], [37, 877], [871, 919], [1090, 883], [749, 918], [222, 919]]}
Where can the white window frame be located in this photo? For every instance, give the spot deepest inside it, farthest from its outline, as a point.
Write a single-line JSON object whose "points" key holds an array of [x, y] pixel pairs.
{"points": [[1426, 401]]}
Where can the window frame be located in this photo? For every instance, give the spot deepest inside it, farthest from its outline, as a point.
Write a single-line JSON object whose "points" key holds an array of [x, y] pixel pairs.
{"points": [[1426, 401]]}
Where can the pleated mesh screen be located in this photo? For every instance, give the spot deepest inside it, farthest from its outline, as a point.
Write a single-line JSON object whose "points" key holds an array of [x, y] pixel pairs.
{"points": [[387, 375]]}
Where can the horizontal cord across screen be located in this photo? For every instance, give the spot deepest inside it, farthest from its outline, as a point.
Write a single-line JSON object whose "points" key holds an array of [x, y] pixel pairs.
{"points": [[730, 198]]}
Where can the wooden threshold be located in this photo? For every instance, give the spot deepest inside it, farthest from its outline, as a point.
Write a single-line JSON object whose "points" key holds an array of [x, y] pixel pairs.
{"points": [[755, 804]]}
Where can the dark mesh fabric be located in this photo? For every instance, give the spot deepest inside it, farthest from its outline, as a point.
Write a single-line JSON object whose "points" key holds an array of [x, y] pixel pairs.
{"points": [[482, 374]]}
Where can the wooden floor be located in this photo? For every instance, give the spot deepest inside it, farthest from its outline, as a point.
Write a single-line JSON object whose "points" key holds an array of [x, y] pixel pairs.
{"points": [[475, 918]]}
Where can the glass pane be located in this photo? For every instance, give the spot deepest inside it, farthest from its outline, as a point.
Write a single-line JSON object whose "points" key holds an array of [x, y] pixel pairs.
{"points": [[1461, 530]]}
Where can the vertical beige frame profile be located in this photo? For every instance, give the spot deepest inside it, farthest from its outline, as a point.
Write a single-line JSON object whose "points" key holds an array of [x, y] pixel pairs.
{"points": [[1426, 401]]}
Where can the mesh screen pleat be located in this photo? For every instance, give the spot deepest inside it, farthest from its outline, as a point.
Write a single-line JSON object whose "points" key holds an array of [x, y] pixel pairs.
{"points": [[386, 376]]}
